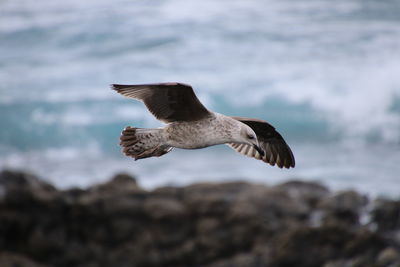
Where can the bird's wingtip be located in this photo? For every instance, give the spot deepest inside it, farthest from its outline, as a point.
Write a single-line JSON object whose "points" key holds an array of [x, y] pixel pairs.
{"points": [[114, 87]]}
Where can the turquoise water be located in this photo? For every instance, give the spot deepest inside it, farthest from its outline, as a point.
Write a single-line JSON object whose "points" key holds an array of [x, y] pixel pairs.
{"points": [[325, 74]]}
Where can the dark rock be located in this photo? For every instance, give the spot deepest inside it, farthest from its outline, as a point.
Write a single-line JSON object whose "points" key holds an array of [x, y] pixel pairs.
{"points": [[386, 215], [240, 260], [228, 224], [389, 256], [269, 208], [343, 208], [309, 192], [345, 200], [212, 199], [15, 184], [159, 208], [119, 183], [319, 244], [324, 244], [339, 263], [18, 179], [8, 259]]}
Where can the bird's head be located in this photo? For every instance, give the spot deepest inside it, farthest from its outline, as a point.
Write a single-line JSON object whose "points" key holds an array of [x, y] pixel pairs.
{"points": [[248, 136]]}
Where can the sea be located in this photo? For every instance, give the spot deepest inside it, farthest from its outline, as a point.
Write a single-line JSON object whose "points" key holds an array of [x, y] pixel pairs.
{"points": [[325, 73]]}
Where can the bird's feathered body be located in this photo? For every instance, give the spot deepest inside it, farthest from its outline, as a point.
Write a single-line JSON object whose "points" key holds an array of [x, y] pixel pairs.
{"points": [[191, 126], [213, 130]]}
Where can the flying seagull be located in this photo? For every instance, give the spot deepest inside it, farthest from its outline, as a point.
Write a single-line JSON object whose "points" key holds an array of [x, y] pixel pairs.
{"points": [[190, 126]]}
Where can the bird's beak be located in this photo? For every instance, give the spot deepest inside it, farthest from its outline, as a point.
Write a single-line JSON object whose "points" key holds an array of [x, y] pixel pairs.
{"points": [[259, 150]]}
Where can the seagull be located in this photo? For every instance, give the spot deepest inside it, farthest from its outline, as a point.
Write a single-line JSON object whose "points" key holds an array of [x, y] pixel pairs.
{"points": [[190, 125]]}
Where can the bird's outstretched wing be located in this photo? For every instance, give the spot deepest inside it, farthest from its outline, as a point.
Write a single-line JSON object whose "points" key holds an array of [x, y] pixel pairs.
{"points": [[275, 148], [168, 102]]}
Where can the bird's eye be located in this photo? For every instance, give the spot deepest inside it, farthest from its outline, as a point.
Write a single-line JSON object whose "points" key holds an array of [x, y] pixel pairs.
{"points": [[250, 136]]}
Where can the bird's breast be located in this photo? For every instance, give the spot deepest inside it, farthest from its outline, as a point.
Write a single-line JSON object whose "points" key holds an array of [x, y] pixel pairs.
{"points": [[196, 134]]}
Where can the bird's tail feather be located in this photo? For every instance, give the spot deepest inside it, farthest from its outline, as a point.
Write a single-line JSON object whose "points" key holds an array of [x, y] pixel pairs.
{"points": [[141, 143]]}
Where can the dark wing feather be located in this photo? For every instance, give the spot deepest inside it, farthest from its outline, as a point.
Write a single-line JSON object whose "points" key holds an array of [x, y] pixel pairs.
{"points": [[168, 102], [275, 148]]}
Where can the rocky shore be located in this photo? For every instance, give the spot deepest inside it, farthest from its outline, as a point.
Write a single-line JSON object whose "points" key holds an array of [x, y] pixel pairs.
{"points": [[228, 224]]}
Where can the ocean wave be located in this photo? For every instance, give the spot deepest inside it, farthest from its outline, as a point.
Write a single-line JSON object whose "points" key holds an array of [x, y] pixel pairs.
{"points": [[345, 72]]}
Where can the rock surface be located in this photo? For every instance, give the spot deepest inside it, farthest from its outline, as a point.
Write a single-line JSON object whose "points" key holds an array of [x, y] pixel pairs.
{"points": [[229, 224]]}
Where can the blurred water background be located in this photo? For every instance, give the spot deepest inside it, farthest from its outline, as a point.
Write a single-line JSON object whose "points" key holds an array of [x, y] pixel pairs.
{"points": [[325, 73]]}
